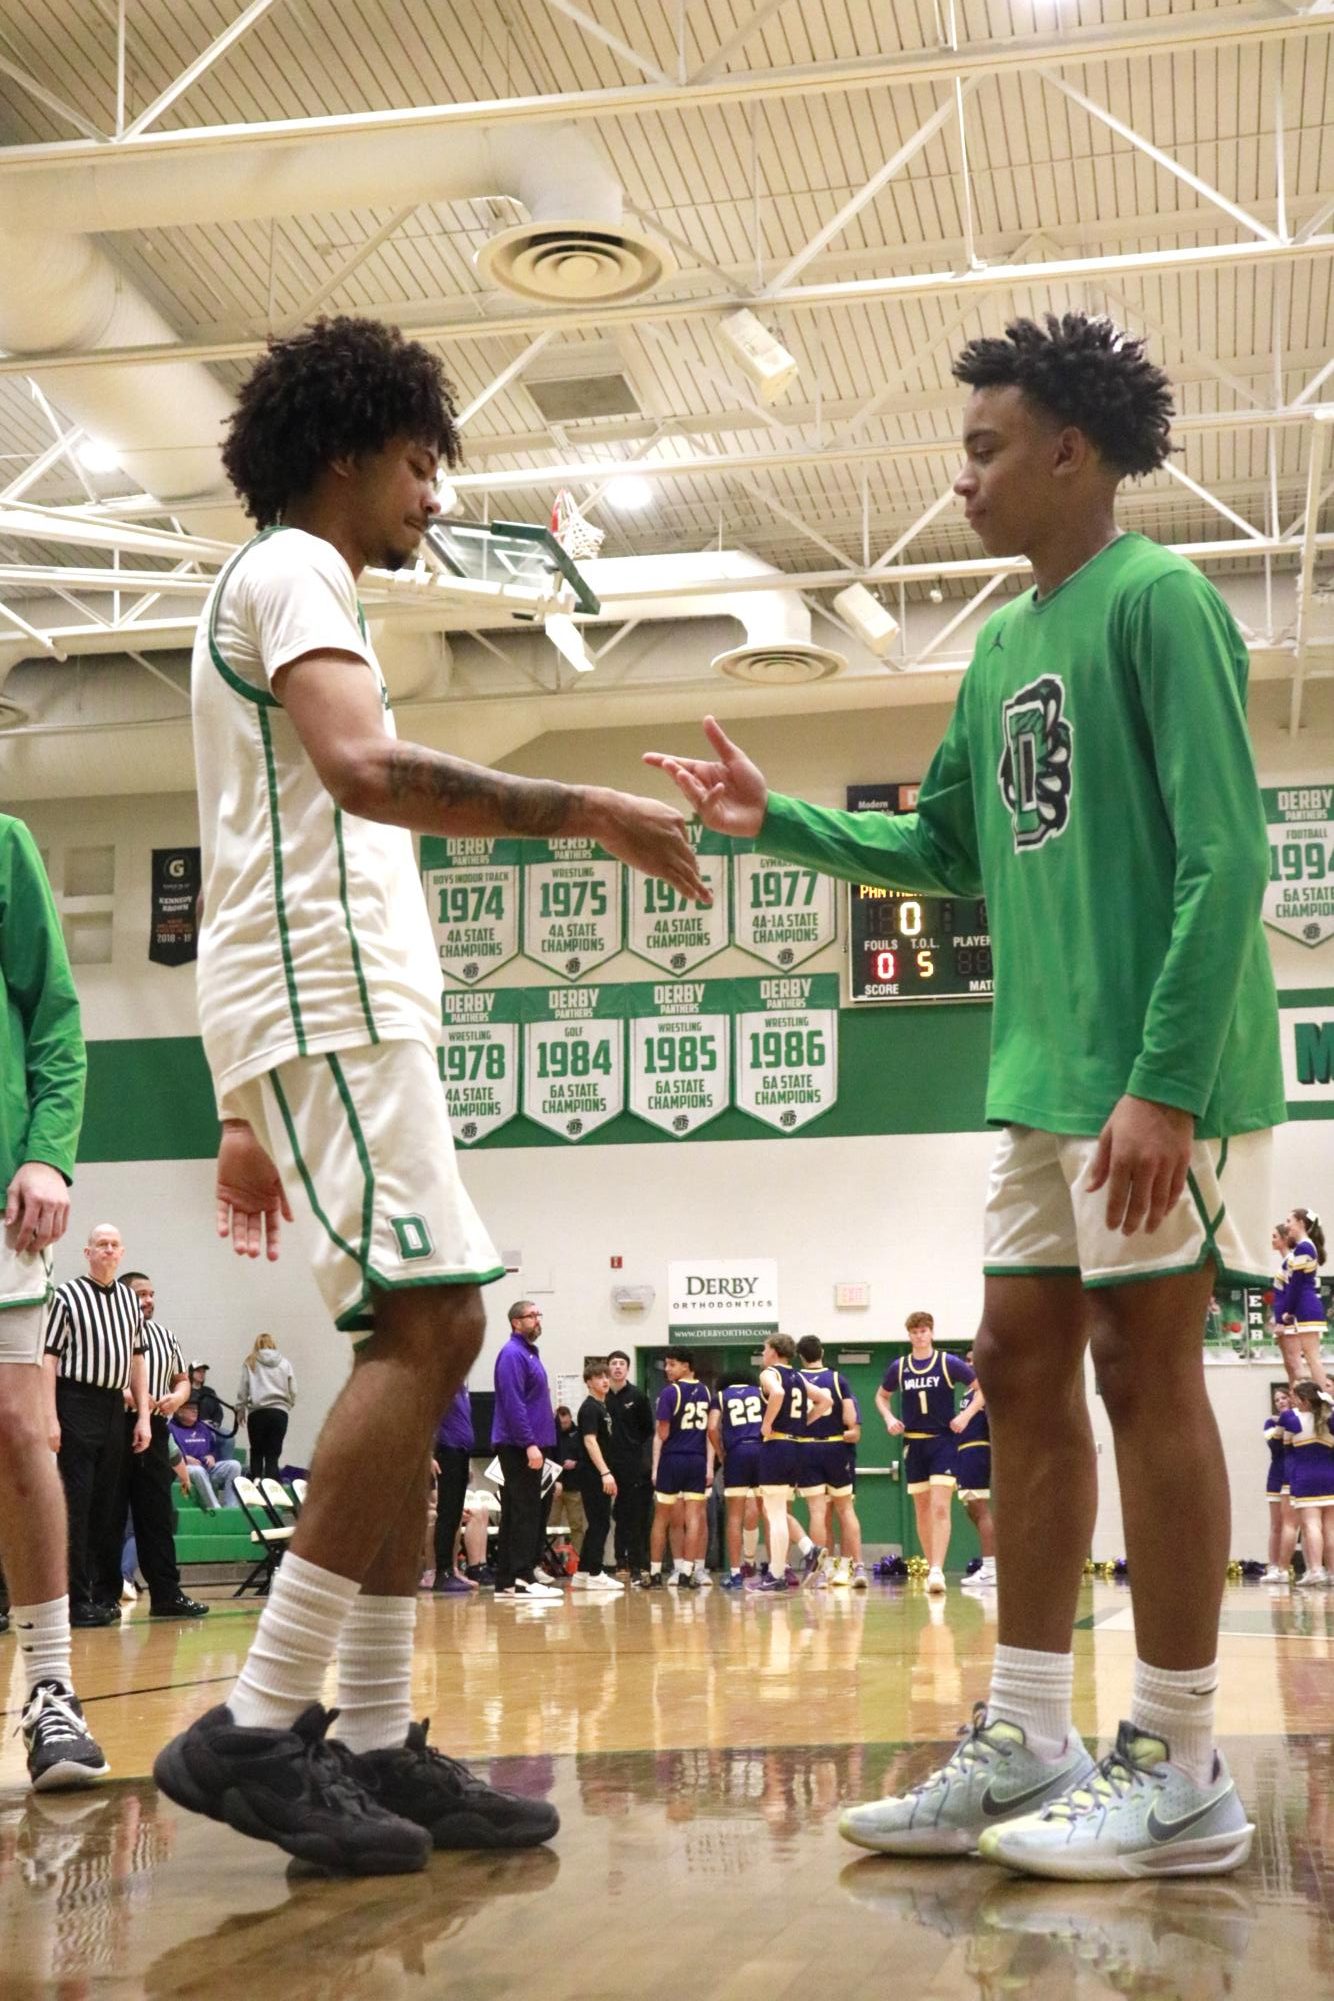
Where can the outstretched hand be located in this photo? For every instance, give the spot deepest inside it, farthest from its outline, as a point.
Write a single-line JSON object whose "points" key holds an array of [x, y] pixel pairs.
{"points": [[652, 837], [251, 1202], [729, 794]]}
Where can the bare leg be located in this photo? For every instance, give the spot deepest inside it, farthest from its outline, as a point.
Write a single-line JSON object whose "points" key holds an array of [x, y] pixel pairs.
{"points": [[736, 1508], [1312, 1362], [921, 1507], [697, 1531], [1313, 1537], [819, 1511], [32, 1500], [1029, 1356], [1275, 1531], [1174, 1489], [941, 1499], [664, 1514], [1287, 1541], [1290, 1348], [475, 1530], [980, 1515], [775, 1502], [849, 1528]]}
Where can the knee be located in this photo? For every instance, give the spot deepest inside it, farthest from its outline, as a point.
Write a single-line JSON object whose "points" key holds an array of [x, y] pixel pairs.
{"points": [[1125, 1385], [22, 1433], [1011, 1367]]}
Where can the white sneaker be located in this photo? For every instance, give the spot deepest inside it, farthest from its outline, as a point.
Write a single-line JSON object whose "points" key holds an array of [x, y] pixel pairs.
{"points": [[536, 1590], [1273, 1575], [604, 1581], [128, 1594], [991, 1776], [841, 1573], [935, 1579], [703, 1582], [1312, 1578], [581, 1581], [1135, 1816]]}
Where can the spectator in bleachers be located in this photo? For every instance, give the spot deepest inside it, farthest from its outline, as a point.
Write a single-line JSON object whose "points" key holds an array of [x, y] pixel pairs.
{"points": [[206, 1400], [212, 1478], [264, 1403]]}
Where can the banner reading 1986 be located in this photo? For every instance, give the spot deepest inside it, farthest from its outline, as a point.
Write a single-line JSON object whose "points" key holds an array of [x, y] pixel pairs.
{"points": [[472, 893], [787, 1049], [680, 1053], [479, 1061], [572, 908], [574, 1059]]}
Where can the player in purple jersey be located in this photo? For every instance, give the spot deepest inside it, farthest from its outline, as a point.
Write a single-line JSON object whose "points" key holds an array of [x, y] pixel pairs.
{"points": [[735, 1426], [682, 1473], [826, 1467], [926, 1381], [788, 1402], [1282, 1426], [972, 1460]]}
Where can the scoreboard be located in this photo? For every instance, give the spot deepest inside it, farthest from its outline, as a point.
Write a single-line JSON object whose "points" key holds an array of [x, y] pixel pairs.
{"points": [[905, 946]]}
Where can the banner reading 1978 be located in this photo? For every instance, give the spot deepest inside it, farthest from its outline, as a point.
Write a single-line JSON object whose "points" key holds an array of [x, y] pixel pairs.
{"points": [[787, 1049], [572, 909], [680, 1053], [479, 1061], [574, 1059], [783, 912], [472, 893]]}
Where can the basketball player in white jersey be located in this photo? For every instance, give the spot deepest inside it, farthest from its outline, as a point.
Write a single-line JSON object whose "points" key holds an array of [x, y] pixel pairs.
{"points": [[319, 1002]]}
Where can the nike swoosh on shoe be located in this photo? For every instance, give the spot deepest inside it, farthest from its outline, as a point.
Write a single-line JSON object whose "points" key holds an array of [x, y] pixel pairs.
{"points": [[1168, 1830], [994, 1805]]}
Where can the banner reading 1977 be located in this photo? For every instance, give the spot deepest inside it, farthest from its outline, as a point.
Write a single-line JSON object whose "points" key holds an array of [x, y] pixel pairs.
{"points": [[572, 909], [680, 1053], [472, 893], [787, 1049], [479, 1061], [783, 912], [574, 1059]]}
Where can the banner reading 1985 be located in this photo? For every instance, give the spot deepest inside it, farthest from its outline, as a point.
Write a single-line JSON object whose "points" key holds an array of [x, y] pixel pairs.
{"points": [[574, 1059], [572, 907], [479, 1061], [680, 1053], [787, 1049], [472, 893]]}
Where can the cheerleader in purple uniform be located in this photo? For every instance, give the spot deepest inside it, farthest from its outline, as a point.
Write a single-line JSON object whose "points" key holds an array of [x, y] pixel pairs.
{"points": [[1281, 1427], [1299, 1310], [1312, 1482]]}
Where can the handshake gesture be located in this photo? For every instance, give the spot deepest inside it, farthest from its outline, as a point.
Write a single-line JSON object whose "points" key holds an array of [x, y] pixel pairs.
{"points": [[728, 793]]}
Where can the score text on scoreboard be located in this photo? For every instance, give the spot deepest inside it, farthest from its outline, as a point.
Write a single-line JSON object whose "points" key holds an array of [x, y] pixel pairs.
{"points": [[906, 946]]}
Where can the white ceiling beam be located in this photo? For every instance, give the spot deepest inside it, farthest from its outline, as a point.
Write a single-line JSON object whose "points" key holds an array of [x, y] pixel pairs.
{"points": [[1315, 223], [793, 519], [501, 381], [41, 465], [1187, 259], [962, 616], [910, 534], [1315, 385], [203, 62], [1162, 159], [1164, 331], [1315, 473], [359, 256], [734, 44], [1211, 500], [597, 33], [838, 222], [41, 95]]}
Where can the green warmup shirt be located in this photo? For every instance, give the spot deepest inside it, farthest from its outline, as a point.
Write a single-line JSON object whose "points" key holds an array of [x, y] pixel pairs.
{"points": [[42, 1061], [1096, 784]]}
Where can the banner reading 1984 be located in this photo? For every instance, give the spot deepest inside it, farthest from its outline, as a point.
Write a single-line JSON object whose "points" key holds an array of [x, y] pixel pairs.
{"points": [[574, 1059], [572, 910], [479, 1061], [472, 893], [787, 1049], [680, 1053], [783, 912]]}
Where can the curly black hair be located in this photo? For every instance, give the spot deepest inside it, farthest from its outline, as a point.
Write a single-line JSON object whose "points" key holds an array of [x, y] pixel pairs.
{"points": [[1084, 371], [339, 387]]}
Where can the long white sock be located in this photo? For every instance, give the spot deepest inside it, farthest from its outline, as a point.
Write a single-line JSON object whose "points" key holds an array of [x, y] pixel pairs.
{"points": [[1177, 1704], [375, 1673], [293, 1645], [778, 1539], [43, 1632], [1035, 1691], [804, 1543]]}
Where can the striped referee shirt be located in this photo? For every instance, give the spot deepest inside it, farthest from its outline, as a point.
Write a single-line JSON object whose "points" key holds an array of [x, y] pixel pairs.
{"points": [[95, 1330], [164, 1359]]}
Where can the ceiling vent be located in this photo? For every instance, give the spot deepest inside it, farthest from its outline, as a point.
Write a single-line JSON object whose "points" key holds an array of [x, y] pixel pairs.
{"points": [[576, 399], [779, 663], [574, 263]]}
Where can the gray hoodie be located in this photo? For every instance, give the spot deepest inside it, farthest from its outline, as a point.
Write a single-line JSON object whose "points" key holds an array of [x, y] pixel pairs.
{"points": [[267, 1383]]}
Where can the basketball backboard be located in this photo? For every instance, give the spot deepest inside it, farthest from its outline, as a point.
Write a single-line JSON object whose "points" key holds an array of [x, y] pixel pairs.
{"points": [[508, 552]]}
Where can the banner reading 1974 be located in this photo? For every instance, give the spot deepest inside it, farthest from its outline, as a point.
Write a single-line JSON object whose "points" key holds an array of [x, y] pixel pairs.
{"points": [[574, 1059], [665, 927], [680, 1053], [783, 912], [787, 1049], [572, 907], [479, 1061], [1300, 898], [472, 893]]}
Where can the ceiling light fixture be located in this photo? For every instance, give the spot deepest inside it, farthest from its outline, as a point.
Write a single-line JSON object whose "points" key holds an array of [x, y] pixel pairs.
{"points": [[630, 492], [94, 456]]}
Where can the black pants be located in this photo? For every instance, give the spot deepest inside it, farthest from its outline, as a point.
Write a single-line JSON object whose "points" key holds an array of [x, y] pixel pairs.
{"points": [[146, 1490], [267, 1430], [92, 1447], [455, 1463], [632, 1514], [597, 1506], [520, 1542]]}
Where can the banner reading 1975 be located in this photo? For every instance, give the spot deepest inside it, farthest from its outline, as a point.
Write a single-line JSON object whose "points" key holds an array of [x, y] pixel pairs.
{"points": [[472, 893], [572, 907]]}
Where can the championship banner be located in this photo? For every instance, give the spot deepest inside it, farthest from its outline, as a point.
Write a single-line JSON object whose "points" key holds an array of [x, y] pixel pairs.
{"points": [[572, 907], [173, 933], [479, 1061], [680, 1053], [1299, 901], [787, 1049], [472, 893], [784, 913], [668, 930], [574, 1058], [721, 1299]]}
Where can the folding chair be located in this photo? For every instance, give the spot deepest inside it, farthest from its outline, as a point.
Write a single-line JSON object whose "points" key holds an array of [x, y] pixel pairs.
{"points": [[278, 1501], [299, 1493], [270, 1536]]}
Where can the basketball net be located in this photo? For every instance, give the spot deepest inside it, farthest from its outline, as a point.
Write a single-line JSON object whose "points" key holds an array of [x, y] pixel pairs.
{"points": [[577, 537]]}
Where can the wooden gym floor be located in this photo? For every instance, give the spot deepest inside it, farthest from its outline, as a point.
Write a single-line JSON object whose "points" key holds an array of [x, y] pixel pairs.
{"points": [[699, 1749]]}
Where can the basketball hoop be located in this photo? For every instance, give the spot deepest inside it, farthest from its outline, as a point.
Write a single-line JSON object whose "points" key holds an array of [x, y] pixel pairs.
{"points": [[577, 537]]}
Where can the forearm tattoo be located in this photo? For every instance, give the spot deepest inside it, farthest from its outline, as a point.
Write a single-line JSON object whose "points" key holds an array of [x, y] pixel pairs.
{"points": [[531, 806]]}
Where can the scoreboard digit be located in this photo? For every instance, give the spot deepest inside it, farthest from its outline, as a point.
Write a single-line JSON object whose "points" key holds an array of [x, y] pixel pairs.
{"points": [[905, 945]]}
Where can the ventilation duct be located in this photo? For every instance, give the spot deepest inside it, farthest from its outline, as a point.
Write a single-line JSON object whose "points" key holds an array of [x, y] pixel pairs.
{"points": [[777, 651]]}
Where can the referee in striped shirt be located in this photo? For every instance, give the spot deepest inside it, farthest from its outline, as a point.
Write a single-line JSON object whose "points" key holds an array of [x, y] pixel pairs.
{"points": [[147, 1481], [96, 1351]]}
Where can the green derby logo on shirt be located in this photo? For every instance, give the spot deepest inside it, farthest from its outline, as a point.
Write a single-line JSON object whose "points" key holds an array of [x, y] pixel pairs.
{"points": [[1036, 763]]}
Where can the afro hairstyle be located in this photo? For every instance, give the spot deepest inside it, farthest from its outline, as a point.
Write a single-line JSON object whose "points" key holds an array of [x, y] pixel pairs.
{"points": [[1083, 371], [339, 388]]}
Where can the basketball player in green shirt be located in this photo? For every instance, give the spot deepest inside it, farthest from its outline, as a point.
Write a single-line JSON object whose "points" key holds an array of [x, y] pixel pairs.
{"points": [[1096, 783]]}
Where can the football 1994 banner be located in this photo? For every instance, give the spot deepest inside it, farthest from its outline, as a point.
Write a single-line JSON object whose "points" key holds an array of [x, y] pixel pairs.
{"points": [[1300, 898]]}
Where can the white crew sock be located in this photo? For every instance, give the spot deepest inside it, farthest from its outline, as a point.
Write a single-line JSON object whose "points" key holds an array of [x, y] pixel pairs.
{"points": [[1035, 1691], [43, 1632], [293, 1645], [1177, 1704], [699, 1566], [655, 1569], [750, 1545], [804, 1544], [375, 1673], [683, 1568]]}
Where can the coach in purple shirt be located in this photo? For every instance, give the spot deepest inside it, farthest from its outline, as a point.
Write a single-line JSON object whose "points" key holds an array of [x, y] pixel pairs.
{"points": [[523, 1429]]}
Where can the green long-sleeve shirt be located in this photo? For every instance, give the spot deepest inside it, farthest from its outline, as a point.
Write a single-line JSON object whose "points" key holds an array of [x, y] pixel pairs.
{"points": [[42, 1060], [1097, 784]]}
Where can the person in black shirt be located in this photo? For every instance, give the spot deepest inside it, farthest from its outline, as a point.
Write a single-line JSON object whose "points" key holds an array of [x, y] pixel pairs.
{"points": [[631, 1444], [596, 1479]]}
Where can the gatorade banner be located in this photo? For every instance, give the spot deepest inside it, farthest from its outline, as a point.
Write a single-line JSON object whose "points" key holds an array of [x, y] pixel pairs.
{"points": [[1300, 898], [672, 933], [787, 1049], [173, 934], [472, 893], [574, 1059], [680, 1053], [572, 907], [783, 913], [479, 1061]]}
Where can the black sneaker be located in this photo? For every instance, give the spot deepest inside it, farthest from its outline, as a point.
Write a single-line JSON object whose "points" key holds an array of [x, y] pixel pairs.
{"points": [[420, 1784], [60, 1746], [291, 1787], [93, 1615], [652, 1582], [180, 1607], [4, 1622], [686, 1581]]}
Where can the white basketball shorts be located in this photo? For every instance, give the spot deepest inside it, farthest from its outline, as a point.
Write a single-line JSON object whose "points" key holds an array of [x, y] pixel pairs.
{"points": [[25, 1287]]}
